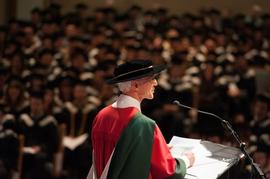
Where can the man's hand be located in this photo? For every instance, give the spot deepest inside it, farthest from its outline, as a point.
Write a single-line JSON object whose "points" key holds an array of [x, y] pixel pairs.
{"points": [[169, 146], [191, 158]]}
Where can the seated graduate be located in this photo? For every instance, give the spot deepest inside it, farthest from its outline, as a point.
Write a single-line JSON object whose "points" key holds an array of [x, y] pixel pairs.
{"points": [[41, 138]]}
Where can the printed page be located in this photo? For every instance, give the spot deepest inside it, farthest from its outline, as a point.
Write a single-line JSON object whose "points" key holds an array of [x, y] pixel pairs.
{"points": [[208, 163], [73, 142]]}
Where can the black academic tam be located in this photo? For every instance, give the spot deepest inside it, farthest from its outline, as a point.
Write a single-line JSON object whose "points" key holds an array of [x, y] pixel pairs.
{"points": [[135, 69]]}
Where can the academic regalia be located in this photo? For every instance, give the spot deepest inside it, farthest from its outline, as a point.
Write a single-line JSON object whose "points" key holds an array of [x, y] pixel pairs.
{"points": [[140, 151], [9, 122], [8, 151], [14, 106], [78, 121], [39, 131]]}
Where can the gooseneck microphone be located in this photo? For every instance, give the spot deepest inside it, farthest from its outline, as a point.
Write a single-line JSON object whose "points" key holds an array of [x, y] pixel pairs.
{"points": [[203, 112], [228, 127]]}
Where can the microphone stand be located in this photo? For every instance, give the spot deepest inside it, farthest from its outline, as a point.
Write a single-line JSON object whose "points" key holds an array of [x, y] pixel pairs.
{"points": [[228, 127]]}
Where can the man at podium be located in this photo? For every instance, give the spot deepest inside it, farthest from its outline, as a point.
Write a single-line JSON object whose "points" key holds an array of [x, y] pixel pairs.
{"points": [[126, 143]]}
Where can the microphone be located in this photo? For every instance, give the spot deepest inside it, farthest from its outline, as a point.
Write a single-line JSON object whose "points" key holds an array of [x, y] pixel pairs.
{"points": [[200, 111], [228, 127]]}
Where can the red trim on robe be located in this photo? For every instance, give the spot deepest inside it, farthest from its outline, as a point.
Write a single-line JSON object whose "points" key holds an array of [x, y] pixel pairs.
{"points": [[162, 163]]}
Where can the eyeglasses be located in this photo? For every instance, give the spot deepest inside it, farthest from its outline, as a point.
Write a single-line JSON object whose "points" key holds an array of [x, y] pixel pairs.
{"points": [[149, 79], [153, 77]]}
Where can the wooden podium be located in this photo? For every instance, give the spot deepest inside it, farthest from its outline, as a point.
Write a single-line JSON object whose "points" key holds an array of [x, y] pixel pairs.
{"points": [[211, 160]]}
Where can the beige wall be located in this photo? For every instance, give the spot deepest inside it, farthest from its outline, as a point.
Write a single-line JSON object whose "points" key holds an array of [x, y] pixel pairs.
{"points": [[24, 7], [175, 6]]}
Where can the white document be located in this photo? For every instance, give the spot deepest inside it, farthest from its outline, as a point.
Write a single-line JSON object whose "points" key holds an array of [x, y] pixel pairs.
{"points": [[30, 150], [73, 142], [211, 159]]}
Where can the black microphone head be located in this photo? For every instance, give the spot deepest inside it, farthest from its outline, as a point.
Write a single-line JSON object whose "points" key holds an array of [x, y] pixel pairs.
{"points": [[181, 105]]}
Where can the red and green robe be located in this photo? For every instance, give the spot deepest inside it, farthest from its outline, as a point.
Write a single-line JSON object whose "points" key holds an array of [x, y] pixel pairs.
{"points": [[140, 148]]}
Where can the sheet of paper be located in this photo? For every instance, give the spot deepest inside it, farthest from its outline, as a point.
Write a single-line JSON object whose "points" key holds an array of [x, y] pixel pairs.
{"points": [[211, 159], [29, 150], [73, 142], [181, 145]]}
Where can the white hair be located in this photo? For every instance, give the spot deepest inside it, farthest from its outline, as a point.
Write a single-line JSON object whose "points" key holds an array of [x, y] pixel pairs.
{"points": [[124, 86]]}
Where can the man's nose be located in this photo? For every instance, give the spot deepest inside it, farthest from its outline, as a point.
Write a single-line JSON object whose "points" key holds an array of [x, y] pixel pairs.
{"points": [[155, 83]]}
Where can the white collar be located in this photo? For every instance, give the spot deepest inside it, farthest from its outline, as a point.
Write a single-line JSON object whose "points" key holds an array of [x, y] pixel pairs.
{"points": [[125, 101]]}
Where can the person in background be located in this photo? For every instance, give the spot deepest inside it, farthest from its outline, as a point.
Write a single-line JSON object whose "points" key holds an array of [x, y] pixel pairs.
{"points": [[9, 146], [41, 138], [14, 101], [130, 143]]}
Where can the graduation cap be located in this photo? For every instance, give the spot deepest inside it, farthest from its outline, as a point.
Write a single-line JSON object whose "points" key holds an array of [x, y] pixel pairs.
{"points": [[131, 34], [3, 28], [121, 18], [81, 6], [135, 7], [15, 80], [82, 82], [239, 53], [37, 94], [179, 58], [211, 62], [135, 69], [36, 76], [50, 20], [134, 46], [45, 51], [3, 70], [263, 97], [79, 52], [105, 65], [67, 78], [157, 50], [75, 39], [149, 13], [35, 10], [259, 60]]}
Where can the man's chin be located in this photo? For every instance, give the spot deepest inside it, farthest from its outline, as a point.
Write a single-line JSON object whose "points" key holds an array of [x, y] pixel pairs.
{"points": [[150, 97]]}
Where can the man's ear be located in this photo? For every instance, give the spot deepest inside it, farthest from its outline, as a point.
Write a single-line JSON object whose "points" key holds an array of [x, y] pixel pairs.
{"points": [[135, 84]]}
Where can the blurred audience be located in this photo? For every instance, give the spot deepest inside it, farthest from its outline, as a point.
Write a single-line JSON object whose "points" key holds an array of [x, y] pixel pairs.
{"points": [[54, 67]]}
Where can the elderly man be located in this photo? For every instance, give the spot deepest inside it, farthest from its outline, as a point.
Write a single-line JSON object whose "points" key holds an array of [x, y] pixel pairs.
{"points": [[126, 143]]}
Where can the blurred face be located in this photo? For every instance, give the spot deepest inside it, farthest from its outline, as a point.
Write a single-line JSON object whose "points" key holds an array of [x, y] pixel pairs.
{"points": [[177, 71], [48, 97], [46, 59], [65, 90], [37, 84], [78, 62], [36, 105], [210, 44], [16, 63], [29, 32], [13, 91], [71, 30], [260, 110], [146, 87], [261, 158], [80, 92]]}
